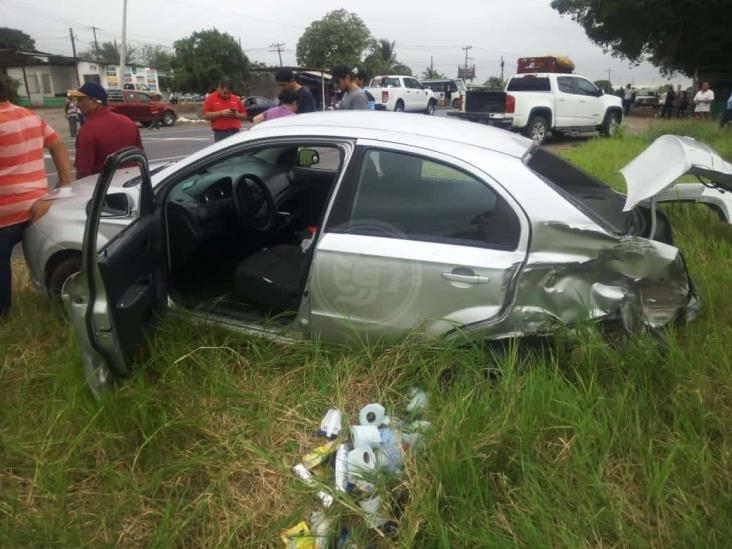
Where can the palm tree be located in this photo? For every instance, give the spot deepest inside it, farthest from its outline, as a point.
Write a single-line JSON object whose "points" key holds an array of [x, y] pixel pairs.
{"points": [[386, 50], [433, 74]]}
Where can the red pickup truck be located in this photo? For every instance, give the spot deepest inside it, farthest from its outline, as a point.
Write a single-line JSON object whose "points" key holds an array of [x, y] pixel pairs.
{"points": [[142, 106]]}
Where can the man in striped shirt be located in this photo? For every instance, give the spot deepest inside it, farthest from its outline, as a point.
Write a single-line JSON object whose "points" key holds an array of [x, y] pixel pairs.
{"points": [[23, 180]]}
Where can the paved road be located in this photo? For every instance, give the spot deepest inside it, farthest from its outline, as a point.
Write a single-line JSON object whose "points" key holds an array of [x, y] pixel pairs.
{"points": [[165, 144]]}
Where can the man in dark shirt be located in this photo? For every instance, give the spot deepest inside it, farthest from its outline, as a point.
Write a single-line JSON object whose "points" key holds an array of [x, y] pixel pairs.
{"points": [[105, 132], [286, 81]]}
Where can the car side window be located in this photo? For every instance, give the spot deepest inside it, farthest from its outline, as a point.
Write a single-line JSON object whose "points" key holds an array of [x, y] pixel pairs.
{"points": [[411, 83], [406, 196], [143, 98], [249, 101], [565, 84], [585, 87]]}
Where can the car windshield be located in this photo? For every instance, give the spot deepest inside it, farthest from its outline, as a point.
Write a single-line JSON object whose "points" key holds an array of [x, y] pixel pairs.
{"points": [[591, 196]]}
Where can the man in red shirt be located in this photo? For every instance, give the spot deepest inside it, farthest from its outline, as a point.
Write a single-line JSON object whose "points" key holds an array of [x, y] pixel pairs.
{"points": [[105, 132], [224, 110], [23, 136]]}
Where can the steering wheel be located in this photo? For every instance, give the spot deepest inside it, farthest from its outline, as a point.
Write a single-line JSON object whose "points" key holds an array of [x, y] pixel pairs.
{"points": [[253, 203]]}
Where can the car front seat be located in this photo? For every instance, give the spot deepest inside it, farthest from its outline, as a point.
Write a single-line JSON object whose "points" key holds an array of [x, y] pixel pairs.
{"points": [[271, 278]]}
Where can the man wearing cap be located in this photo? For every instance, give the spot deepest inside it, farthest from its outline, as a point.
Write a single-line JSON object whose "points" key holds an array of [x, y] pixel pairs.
{"points": [[105, 132]]}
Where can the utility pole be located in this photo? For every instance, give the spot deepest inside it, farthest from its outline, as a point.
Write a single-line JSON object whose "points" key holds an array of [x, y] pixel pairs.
{"points": [[467, 48], [432, 65], [502, 65], [278, 48], [73, 44], [123, 48], [609, 72], [96, 44]]}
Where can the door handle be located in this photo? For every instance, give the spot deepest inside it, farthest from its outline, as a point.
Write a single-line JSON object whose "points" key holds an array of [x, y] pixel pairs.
{"points": [[466, 278], [561, 99]]}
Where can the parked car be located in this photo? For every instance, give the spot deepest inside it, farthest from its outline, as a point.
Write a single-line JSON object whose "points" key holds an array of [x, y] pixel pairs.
{"points": [[311, 227], [646, 98], [192, 97], [536, 104], [141, 106], [255, 104], [402, 94], [449, 92]]}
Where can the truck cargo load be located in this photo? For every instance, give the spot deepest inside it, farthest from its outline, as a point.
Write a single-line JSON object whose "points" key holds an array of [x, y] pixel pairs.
{"points": [[549, 63]]}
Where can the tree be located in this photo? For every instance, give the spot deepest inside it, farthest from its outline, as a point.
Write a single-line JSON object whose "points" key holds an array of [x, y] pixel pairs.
{"points": [[206, 56], [433, 74], [675, 35], [155, 56], [109, 53], [340, 37], [401, 70], [16, 39], [494, 83], [604, 85], [12, 85]]}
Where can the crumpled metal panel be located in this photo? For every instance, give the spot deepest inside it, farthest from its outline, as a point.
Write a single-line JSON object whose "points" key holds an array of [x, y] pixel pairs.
{"points": [[578, 274]]}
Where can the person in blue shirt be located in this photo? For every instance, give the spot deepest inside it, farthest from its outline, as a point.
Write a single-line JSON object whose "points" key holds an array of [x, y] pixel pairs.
{"points": [[727, 116]]}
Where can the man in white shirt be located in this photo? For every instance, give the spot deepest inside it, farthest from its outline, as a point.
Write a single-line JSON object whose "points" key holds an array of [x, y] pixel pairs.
{"points": [[703, 102]]}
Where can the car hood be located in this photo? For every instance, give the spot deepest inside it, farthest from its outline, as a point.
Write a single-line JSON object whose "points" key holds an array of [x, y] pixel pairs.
{"points": [[668, 158]]}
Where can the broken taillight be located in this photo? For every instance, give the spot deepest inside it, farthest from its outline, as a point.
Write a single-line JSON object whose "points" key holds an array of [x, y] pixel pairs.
{"points": [[384, 96]]}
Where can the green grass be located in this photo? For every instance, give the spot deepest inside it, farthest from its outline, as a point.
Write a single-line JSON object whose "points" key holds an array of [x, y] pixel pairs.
{"points": [[581, 443]]}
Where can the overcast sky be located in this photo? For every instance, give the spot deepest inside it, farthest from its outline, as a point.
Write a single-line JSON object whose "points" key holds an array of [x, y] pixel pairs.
{"points": [[421, 28]]}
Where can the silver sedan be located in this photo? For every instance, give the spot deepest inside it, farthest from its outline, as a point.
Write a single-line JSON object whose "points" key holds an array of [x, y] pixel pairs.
{"points": [[369, 225]]}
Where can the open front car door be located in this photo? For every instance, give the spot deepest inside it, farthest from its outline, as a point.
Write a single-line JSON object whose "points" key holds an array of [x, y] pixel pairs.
{"points": [[116, 298]]}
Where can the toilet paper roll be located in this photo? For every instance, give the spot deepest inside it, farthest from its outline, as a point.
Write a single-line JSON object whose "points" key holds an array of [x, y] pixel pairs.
{"points": [[372, 414], [365, 436], [361, 462]]}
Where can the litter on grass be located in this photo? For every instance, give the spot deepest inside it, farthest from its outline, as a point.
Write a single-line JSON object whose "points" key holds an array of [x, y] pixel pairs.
{"points": [[354, 458]]}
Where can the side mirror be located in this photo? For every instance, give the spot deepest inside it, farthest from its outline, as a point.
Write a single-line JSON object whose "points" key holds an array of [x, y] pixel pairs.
{"points": [[115, 205], [307, 158], [600, 92]]}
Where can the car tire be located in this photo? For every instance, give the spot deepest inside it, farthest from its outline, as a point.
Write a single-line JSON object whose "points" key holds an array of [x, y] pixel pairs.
{"points": [[455, 103], [537, 129], [399, 107], [60, 274], [169, 118], [431, 108], [610, 125]]}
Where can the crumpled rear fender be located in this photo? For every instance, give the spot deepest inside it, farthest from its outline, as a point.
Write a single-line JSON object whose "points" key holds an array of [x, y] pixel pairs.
{"points": [[579, 274]]}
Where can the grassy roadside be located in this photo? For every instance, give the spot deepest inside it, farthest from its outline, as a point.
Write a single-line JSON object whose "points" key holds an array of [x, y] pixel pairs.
{"points": [[578, 444]]}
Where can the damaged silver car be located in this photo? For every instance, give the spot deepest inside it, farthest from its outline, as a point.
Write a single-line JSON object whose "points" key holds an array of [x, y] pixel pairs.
{"points": [[368, 225]]}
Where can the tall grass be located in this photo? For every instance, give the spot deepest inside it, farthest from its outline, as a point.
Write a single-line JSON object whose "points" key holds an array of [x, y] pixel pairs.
{"points": [[577, 442]]}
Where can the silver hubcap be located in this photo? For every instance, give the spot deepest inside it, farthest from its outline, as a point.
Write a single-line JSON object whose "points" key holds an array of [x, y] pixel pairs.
{"points": [[612, 126]]}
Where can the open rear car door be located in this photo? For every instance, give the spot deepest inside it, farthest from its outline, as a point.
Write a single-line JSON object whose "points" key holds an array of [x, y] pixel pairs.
{"points": [[116, 298]]}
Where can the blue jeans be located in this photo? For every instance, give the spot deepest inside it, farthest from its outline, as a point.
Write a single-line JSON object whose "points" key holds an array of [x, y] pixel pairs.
{"points": [[9, 237], [223, 134]]}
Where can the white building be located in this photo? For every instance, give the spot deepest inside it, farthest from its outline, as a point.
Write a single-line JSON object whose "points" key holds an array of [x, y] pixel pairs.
{"points": [[44, 78]]}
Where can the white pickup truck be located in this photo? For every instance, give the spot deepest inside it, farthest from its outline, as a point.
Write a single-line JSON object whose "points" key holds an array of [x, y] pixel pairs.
{"points": [[537, 104], [402, 94]]}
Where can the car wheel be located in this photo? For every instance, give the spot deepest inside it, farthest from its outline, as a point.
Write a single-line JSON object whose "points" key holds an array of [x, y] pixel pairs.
{"points": [[537, 129], [431, 108], [455, 103], [60, 274], [399, 107], [169, 118], [610, 126]]}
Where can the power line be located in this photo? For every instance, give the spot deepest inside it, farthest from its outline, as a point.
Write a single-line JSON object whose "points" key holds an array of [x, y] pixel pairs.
{"points": [[278, 48]]}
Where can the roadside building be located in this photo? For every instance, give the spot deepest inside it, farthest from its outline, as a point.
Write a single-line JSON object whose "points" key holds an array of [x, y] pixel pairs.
{"points": [[44, 78]]}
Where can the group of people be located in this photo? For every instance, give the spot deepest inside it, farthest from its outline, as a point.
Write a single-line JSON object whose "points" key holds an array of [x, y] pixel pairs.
{"points": [[225, 111], [671, 101], [23, 180]]}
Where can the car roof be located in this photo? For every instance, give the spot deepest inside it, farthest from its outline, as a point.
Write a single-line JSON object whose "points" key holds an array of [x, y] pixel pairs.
{"points": [[403, 127]]}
